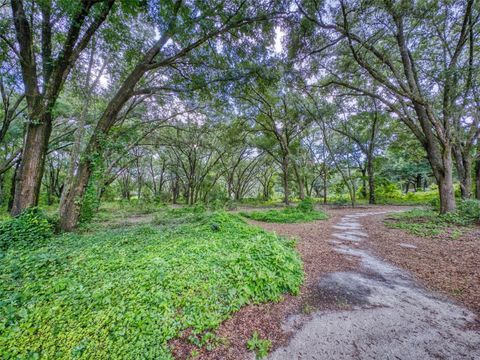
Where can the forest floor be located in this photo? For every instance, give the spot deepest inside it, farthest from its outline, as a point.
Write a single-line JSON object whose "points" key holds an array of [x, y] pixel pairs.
{"points": [[369, 292]]}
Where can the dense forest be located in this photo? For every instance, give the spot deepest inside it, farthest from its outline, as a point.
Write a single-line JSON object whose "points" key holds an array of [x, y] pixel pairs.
{"points": [[215, 101], [230, 104]]}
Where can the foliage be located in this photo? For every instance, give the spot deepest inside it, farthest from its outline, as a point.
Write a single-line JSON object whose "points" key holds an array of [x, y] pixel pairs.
{"points": [[260, 346], [412, 198], [28, 228], [183, 215], [423, 222], [469, 210], [286, 215], [125, 293], [306, 205]]}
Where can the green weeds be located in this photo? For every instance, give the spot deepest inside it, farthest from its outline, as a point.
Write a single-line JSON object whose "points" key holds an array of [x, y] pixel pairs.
{"points": [[260, 346]]}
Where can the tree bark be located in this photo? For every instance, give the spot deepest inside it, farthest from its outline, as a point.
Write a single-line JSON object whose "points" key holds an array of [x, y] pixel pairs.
{"points": [[30, 173], [69, 206], [444, 177]]}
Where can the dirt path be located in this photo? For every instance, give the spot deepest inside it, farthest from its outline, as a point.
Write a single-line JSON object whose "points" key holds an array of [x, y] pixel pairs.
{"points": [[391, 315]]}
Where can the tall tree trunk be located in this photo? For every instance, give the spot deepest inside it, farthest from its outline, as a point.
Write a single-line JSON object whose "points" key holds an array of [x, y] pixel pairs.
{"points": [[300, 182], [364, 182], [266, 192], [477, 173], [371, 181], [325, 189], [443, 171], [27, 188], [12, 187], [286, 190], [418, 181], [463, 164], [175, 190]]}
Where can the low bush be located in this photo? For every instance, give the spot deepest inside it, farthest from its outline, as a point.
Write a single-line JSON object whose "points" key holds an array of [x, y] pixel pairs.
{"points": [[306, 205], [469, 210], [30, 227], [125, 293]]}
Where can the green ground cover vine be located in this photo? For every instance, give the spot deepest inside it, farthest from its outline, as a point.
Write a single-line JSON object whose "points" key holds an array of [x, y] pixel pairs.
{"points": [[125, 293]]}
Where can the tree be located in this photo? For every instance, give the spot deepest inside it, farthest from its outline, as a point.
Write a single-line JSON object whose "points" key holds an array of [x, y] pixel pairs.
{"points": [[212, 19], [280, 125], [44, 68], [367, 129], [418, 70]]}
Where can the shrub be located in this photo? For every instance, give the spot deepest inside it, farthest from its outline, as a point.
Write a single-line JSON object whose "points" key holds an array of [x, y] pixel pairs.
{"points": [[341, 201], [231, 205], [186, 214], [435, 203], [470, 209], [31, 226], [306, 205], [217, 204]]}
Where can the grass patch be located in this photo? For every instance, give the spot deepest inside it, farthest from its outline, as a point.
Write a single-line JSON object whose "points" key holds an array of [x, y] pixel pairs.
{"points": [[125, 293], [428, 223]]}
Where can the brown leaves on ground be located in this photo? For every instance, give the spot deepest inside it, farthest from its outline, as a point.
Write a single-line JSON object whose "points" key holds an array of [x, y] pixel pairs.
{"points": [[442, 264], [445, 264]]}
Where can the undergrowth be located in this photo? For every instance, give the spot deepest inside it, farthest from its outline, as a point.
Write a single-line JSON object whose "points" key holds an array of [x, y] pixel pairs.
{"points": [[427, 222], [304, 212], [32, 226], [125, 293]]}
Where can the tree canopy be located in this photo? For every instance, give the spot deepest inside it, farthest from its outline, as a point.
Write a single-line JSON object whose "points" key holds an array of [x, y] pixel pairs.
{"points": [[231, 101]]}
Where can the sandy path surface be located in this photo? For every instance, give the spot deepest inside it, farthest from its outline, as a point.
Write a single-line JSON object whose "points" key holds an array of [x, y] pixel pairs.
{"points": [[390, 315]]}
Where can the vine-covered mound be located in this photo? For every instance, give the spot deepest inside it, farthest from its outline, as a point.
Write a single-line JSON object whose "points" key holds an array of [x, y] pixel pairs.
{"points": [[125, 293]]}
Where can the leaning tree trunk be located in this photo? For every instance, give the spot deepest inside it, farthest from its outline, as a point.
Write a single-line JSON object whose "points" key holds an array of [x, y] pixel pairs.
{"points": [[70, 206], [27, 187]]}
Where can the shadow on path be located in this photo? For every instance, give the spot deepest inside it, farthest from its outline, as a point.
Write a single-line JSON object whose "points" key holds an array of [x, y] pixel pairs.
{"points": [[391, 316]]}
